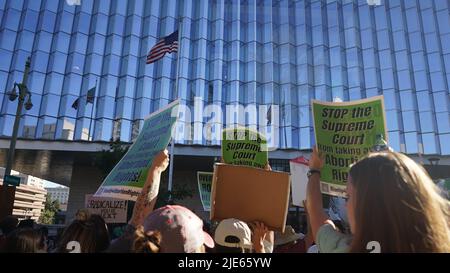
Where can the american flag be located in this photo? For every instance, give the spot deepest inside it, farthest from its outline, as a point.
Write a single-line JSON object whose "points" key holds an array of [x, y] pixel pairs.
{"points": [[167, 44]]}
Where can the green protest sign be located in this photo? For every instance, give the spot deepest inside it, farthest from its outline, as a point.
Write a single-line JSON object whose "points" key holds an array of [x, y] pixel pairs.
{"points": [[127, 178], [345, 132], [245, 147], [204, 186]]}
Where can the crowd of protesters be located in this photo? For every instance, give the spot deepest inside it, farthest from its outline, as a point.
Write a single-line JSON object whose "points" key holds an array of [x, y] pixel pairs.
{"points": [[390, 200]]}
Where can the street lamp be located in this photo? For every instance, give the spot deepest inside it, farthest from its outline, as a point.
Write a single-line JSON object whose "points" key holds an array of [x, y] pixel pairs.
{"points": [[22, 95]]}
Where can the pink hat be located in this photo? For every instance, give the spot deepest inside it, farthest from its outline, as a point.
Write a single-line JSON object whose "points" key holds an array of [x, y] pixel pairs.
{"points": [[181, 230]]}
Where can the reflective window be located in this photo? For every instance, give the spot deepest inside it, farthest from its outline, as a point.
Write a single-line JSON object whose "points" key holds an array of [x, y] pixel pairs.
{"points": [[6, 57], [367, 40], [383, 40], [47, 20], [8, 39], [431, 42], [404, 79], [31, 20], [434, 62], [370, 76], [350, 38], [396, 19], [385, 59], [40, 61], [401, 59], [99, 24], [369, 58], [418, 62], [424, 101], [390, 99], [399, 40], [409, 121], [380, 18], [12, 21], [441, 101], [94, 63], [443, 123], [415, 41], [394, 140], [82, 22], [66, 20], [444, 140], [62, 42], [97, 44], [407, 101], [75, 63], [421, 80], [412, 20], [114, 45], [352, 57], [79, 43], [54, 83], [29, 127], [445, 46], [65, 128], [426, 122], [443, 19], [387, 79], [437, 81], [411, 143], [50, 105], [428, 20]]}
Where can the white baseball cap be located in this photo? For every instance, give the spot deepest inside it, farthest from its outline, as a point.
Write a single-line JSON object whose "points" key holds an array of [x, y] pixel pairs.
{"points": [[236, 228]]}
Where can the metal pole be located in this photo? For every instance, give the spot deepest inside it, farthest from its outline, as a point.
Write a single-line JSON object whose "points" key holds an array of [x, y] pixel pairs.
{"points": [[22, 93], [169, 186]]}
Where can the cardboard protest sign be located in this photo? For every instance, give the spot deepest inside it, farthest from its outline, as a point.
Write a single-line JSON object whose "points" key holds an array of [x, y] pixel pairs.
{"points": [[299, 169], [250, 194], [127, 178], [345, 132], [204, 187], [245, 147], [110, 209]]}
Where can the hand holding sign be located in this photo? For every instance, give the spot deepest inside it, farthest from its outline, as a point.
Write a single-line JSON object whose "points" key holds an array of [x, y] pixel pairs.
{"points": [[317, 159], [260, 232], [161, 161]]}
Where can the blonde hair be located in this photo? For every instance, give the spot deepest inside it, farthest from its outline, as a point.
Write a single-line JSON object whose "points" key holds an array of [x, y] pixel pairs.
{"points": [[398, 205], [146, 242]]}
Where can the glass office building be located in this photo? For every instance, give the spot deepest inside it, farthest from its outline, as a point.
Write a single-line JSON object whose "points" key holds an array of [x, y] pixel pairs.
{"points": [[231, 51]]}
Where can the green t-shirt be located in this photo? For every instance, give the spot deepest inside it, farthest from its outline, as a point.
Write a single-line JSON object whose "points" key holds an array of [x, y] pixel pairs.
{"points": [[330, 240]]}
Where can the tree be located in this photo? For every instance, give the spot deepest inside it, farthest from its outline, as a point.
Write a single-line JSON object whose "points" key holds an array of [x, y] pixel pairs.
{"points": [[48, 214]]}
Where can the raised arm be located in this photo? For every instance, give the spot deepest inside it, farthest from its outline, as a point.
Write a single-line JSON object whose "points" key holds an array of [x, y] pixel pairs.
{"points": [[147, 199], [317, 216]]}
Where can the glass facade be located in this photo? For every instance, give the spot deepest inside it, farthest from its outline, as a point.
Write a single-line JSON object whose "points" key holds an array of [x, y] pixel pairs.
{"points": [[231, 51]]}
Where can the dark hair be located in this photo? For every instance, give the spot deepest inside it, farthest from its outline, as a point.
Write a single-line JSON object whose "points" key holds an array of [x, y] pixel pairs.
{"points": [[226, 249], [82, 232], [146, 242], [102, 233], [27, 223], [8, 224], [397, 204], [24, 240]]}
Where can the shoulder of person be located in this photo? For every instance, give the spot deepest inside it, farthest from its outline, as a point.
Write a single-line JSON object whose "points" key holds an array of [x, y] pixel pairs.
{"points": [[329, 240]]}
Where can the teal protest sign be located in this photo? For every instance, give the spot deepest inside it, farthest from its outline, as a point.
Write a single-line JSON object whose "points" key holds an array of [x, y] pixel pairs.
{"points": [[127, 178]]}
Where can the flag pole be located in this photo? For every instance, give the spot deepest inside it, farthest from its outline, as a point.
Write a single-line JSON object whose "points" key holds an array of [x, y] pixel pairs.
{"points": [[172, 146], [92, 110]]}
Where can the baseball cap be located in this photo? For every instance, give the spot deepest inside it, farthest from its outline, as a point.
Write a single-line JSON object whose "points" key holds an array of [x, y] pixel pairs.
{"points": [[236, 228], [181, 230]]}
